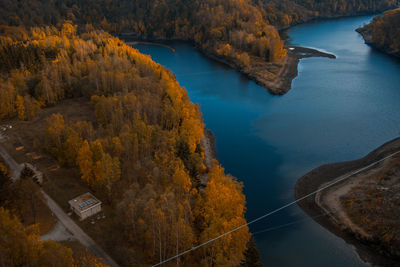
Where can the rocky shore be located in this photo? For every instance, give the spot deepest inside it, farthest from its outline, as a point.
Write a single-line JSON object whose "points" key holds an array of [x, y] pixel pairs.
{"points": [[365, 33], [382, 32], [369, 250]]}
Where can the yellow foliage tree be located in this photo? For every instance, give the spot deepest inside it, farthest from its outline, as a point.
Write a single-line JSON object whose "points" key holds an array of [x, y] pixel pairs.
{"points": [[68, 30], [220, 209], [85, 162], [19, 104], [20, 246]]}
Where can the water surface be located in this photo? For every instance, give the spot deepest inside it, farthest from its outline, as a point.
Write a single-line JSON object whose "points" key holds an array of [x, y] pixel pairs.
{"points": [[337, 110]]}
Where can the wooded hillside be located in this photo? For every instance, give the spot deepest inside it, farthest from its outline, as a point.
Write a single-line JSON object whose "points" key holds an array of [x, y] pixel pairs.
{"points": [[213, 24], [384, 32], [141, 153]]}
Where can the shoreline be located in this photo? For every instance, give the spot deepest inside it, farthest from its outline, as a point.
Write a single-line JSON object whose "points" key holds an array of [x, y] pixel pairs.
{"points": [[283, 72], [275, 77], [209, 146], [314, 206]]}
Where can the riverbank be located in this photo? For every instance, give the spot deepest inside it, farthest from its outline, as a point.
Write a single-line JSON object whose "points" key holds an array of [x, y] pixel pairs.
{"points": [[382, 32], [209, 146], [327, 202], [275, 77], [282, 82]]}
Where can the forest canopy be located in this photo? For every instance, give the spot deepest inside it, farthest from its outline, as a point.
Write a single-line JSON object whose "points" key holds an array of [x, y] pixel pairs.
{"points": [[230, 29], [211, 24]]}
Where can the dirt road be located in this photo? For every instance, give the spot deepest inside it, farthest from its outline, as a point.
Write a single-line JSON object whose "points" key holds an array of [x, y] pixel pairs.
{"points": [[77, 232], [69, 224]]}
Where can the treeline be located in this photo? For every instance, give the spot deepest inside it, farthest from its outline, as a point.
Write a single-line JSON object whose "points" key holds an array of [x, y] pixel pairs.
{"points": [[231, 29], [141, 153], [288, 12], [384, 32]]}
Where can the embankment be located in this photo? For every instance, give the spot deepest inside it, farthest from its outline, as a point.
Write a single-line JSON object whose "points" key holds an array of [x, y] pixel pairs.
{"points": [[367, 249]]}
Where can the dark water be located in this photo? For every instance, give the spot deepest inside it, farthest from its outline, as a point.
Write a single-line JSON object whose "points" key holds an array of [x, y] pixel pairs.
{"points": [[337, 110]]}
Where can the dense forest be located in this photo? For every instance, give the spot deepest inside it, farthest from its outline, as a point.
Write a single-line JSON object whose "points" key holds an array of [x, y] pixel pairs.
{"points": [[228, 28], [141, 153], [384, 32], [182, 19]]}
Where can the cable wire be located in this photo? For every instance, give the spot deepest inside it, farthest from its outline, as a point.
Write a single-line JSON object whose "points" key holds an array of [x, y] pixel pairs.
{"points": [[298, 221]]}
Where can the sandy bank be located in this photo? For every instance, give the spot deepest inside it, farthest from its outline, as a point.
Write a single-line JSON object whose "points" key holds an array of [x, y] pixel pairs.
{"points": [[328, 201]]}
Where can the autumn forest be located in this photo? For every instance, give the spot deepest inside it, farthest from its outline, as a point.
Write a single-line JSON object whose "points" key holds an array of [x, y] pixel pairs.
{"points": [[137, 143]]}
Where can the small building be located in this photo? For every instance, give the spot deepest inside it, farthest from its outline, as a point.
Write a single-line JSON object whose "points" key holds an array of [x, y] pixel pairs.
{"points": [[85, 205]]}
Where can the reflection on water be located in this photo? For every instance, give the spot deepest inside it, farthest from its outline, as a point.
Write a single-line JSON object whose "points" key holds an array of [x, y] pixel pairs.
{"points": [[337, 110]]}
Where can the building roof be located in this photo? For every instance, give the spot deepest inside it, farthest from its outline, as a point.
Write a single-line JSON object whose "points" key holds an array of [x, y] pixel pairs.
{"points": [[84, 202]]}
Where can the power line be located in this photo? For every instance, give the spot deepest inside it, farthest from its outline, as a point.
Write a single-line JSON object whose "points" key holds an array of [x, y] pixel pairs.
{"points": [[291, 223], [298, 221], [276, 210]]}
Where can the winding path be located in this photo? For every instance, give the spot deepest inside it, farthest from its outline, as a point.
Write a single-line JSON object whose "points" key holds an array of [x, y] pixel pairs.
{"points": [[68, 223]]}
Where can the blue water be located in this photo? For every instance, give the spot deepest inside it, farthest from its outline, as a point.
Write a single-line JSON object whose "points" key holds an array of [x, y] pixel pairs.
{"points": [[337, 110]]}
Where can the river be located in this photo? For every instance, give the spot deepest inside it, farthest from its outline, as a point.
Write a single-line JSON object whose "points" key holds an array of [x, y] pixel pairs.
{"points": [[338, 109]]}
